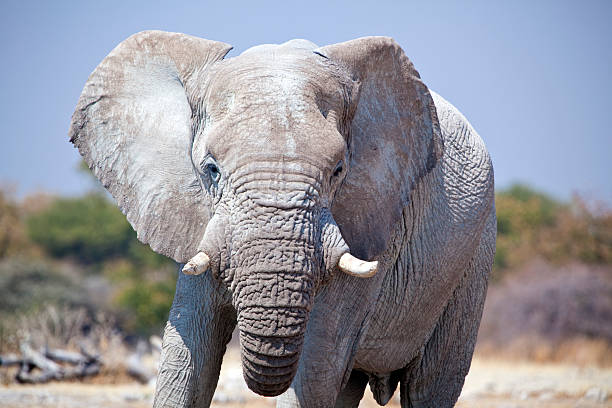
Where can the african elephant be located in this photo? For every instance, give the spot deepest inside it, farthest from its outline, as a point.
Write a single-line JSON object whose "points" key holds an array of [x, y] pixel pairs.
{"points": [[259, 172]]}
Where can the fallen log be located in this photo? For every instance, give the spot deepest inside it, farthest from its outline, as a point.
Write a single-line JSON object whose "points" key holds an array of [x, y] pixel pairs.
{"points": [[64, 356], [37, 359], [8, 360], [40, 367], [25, 376]]}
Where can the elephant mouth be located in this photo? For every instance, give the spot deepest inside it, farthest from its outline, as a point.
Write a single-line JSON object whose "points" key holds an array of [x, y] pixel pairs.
{"points": [[266, 374], [270, 361]]}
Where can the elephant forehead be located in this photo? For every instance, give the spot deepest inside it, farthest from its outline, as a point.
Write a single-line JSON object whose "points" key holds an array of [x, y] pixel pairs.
{"points": [[291, 135], [278, 96], [290, 78], [257, 107]]}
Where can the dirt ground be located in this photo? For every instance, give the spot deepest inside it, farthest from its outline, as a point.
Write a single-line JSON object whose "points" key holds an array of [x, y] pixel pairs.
{"points": [[499, 384]]}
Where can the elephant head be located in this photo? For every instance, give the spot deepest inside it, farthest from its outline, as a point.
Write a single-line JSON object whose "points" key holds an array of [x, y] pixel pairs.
{"points": [[261, 169]]}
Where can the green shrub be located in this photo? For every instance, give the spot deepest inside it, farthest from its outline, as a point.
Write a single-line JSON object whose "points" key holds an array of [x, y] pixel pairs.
{"points": [[89, 229], [533, 225], [146, 305]]}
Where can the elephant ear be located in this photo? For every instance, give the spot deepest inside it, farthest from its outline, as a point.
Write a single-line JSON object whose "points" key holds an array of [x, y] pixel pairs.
{"points": [[394, 140], [132, 125]]}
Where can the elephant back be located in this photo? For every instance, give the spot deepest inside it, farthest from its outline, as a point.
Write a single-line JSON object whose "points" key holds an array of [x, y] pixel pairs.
{"points": [[466, 167]]}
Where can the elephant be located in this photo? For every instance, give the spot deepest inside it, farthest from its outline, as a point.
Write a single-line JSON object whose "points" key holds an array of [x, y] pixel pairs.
{"points": [[321, 199]]}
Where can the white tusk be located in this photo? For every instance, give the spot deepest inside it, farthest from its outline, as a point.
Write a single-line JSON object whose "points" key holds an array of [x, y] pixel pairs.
{"points": [[356, 267], [197, 265]]}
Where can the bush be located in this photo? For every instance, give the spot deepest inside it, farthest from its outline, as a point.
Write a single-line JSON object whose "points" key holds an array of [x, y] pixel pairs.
{"points": [[88, 228], [532, 225], [93, 232], [146, 305], [12, 234], [27, 286], [542, 310], [520, 209]]}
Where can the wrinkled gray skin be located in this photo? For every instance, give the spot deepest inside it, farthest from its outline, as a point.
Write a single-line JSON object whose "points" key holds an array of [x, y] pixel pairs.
{"points": [[275, 163]]}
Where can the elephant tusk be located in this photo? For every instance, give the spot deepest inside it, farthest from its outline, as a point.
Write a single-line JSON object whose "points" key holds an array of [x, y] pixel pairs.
{"points": [[356, 267], [197, 265]]}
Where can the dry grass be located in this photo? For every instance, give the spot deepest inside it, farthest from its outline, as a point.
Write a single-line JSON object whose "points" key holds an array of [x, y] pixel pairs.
{"points": [[580, 351], [73, 330]]}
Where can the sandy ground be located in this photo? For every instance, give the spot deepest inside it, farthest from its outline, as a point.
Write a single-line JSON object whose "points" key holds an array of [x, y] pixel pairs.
{"points": [[499, 384]]}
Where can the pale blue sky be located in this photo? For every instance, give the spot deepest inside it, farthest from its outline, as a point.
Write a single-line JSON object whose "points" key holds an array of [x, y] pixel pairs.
{"points": [[533, 77]]}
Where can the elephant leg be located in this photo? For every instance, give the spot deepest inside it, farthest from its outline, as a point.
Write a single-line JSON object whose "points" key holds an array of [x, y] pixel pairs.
{"points": [[353, 392], [198, 329], [436, 377], [339, 316]]}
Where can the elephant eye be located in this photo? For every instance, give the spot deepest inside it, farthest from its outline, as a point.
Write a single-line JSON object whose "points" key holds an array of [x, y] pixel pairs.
{"points": [[210, 171], [338, 169], [213, 172]]}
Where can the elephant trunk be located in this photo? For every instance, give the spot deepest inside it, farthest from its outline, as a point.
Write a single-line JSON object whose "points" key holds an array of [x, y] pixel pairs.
{"points": [[275, 267]]}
